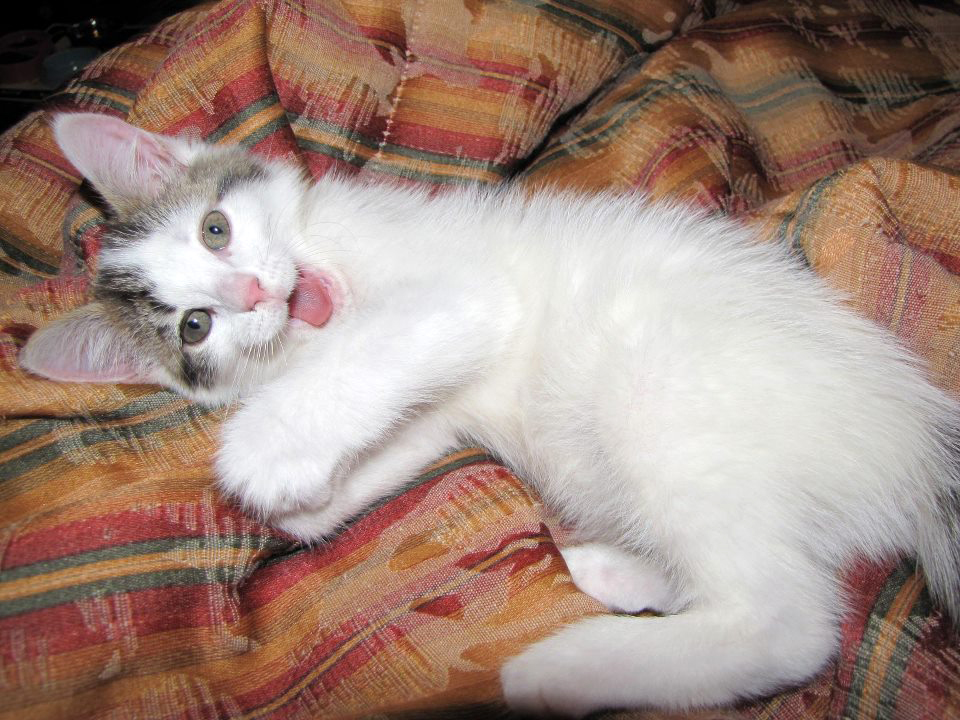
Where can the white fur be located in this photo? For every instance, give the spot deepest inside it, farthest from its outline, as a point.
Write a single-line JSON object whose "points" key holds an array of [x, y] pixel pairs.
{"points": [[723, 431]]}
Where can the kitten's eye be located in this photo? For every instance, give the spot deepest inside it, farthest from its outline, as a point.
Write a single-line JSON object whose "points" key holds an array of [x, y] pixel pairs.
{"points": [[195, 326], [215, 231]]}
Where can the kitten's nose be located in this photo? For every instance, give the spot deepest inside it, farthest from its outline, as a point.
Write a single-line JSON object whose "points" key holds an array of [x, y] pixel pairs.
{"points": [[242, 292], [252, 291]]}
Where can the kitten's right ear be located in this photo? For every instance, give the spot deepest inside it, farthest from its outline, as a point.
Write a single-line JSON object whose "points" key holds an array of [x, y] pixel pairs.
{"points": [[126, 165], [85, 346]]}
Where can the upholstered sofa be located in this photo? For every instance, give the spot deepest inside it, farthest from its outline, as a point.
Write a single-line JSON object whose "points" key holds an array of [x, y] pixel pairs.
{"points": [[129, 588]]}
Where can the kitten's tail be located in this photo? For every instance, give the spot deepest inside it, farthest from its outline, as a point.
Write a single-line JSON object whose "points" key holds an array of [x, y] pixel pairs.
{"points": [[938, 546], [700, 657], [932, 472]]}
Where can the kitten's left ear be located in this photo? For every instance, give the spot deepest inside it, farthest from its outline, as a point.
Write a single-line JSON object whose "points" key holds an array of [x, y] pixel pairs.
{"points": [[127, 165], [85, 346]]}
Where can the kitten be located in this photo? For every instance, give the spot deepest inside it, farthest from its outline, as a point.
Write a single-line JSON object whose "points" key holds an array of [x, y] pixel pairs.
{"points": [[721, 429]]}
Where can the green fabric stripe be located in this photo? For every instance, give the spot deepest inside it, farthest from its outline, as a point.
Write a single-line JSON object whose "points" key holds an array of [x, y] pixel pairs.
{"points": [[26, 433], [626, 108], [15, 253], [756, 101], [331, 151], [435, 178], [100, 85], [37, 428], [692, 89], [347, 133], [590, 10], [144, 547], [16, 467], [910, 634], [406, 172], [14, 271], [123, 583], [475, 458], [81, 229], [855, 94], [265, 131], [404, 151], [75, 234], [29, 461], [480, 456], [627, 38], [781, 102], [238, 118], [872, 633], [71, 93], [947, 139], [807, 205]]}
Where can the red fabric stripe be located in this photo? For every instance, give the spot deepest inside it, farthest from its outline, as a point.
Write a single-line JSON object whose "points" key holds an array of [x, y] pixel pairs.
{"points": [[445, 142], [117, 529], [93, 621]]}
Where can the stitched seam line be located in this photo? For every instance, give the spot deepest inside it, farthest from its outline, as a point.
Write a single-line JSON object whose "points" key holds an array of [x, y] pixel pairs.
{"points": [[408, 56]]}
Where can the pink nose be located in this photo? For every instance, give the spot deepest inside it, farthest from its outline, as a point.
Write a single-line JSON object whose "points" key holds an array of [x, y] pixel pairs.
{"points": [[252, 292], [242, 291]]}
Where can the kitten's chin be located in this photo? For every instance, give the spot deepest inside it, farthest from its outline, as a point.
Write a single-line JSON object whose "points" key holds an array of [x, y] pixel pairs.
{"points": [[259, 332], [246, 379], [211, 397]]}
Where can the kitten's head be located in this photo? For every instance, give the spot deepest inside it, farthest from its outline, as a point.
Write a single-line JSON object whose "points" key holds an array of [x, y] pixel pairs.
{"points": [[197, 285]]}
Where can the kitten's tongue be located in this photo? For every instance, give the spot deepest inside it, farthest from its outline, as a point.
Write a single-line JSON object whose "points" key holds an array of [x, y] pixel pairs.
{"points": [[310, 300]]}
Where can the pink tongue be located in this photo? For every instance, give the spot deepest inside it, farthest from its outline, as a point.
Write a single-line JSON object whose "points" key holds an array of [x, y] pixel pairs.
{"points": [[310, 300]]}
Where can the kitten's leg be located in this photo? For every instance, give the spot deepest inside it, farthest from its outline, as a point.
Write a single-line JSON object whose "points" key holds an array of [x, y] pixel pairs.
{"points": [[349, 392], [384, 471], [621, 580]]}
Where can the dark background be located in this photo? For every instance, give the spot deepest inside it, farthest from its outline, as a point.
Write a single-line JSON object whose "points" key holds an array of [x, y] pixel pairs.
{"points": [[99, 24]]}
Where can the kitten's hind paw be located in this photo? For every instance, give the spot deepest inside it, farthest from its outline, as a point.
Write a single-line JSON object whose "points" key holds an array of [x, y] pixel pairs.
{"points": [[623, 581], [544, 681]]}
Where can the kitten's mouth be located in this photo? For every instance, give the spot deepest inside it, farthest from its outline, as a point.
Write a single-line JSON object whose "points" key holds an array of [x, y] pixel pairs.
{"points": [[310, 300]]}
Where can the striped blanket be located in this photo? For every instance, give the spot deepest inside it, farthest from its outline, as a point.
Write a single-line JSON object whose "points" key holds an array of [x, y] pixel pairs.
{"points": [[130, 589]]}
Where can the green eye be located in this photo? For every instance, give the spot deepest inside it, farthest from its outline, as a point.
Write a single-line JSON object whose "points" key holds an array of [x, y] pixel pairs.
{"points": [[195, 326], [215, 231]]}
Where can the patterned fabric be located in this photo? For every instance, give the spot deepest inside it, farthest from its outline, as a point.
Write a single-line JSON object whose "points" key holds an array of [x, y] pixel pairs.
{"points": [[130, 589]]}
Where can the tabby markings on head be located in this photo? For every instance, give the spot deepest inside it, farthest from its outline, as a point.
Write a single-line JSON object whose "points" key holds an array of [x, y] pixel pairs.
{"points": [[131, 299]]}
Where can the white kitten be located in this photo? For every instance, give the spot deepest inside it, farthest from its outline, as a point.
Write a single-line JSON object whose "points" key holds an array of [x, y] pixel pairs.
{"points": [[724, 433]]}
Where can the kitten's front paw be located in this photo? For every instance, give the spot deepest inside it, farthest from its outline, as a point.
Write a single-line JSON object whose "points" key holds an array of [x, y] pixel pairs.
{"points": [[270, 467], [313, 524]]}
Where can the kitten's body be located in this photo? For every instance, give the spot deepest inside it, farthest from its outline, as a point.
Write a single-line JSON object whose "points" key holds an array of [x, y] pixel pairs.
{"points": [[721, 430]]}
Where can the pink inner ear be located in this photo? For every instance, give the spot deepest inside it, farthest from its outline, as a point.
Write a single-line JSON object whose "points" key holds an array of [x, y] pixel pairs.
{"points": [[119, 372], [122, 161], [80, 366], [83, 346], [120, 134], [153, 158]]}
